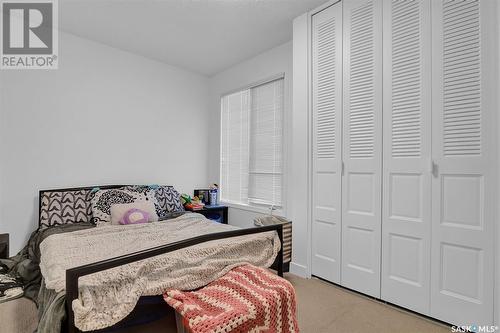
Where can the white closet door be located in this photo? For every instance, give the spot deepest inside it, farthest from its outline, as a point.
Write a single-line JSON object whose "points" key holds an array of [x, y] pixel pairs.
{"points": [[406, 223], [327, 149], [361, 188], [463, 183]]}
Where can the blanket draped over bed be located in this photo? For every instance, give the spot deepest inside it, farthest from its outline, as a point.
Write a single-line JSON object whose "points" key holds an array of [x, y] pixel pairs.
{"points": [[247, 299], [109, 296]]}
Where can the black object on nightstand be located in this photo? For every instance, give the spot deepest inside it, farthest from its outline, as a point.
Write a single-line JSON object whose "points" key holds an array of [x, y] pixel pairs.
{"points": [[215, 213], [4, 246]]}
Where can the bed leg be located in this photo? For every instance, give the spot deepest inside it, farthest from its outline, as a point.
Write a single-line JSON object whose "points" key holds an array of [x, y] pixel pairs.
{"points": [[71, 294], [69, 322], [178, 323], [280, 253], [280, 271], [71, 328]]}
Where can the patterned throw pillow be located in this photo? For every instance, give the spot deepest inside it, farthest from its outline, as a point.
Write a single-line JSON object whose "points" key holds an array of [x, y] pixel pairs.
{"points": [[59, 208], [169, 200], [103, 200], [149, 192]]}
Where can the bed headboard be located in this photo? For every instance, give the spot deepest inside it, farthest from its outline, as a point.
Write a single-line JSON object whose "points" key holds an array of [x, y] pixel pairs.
{"points": [[73, 202], [73, 205]]}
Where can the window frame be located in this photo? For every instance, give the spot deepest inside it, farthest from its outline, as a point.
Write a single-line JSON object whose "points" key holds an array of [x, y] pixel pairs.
{"points": [[255, 207]]}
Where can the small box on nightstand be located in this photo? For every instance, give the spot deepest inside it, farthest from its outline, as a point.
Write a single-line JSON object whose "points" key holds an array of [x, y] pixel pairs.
{"points": [[4, 246]]}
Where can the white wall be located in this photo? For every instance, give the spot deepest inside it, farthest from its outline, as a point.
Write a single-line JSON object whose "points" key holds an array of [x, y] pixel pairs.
{"points": [[105, 116], [275, 61]]}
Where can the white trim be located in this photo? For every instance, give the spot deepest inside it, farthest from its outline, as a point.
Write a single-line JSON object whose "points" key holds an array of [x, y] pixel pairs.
{"points": [[253, 208], [496, 105], [299, 204], [299, 270], [323, 7], [276, 77], [309, 143]]}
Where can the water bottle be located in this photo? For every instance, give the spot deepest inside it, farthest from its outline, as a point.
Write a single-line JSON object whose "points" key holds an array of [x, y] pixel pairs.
{"points": [[214, 200]]}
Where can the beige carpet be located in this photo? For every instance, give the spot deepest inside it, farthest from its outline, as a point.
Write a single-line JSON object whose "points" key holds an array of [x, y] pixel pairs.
{"points": [[326, 308], [323, 307]]}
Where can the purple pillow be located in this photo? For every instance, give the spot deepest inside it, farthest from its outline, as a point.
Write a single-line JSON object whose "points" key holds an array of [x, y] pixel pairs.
{"points": [[134, 216]]}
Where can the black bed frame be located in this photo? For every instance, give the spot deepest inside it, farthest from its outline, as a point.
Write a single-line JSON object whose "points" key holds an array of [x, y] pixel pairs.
{"points": [[73, 274]]}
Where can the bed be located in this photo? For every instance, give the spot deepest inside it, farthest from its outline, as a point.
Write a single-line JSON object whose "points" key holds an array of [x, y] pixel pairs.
{"points": [[81, 276]]}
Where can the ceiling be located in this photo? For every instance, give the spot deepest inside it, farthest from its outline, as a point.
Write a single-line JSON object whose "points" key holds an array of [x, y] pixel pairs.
{"points": [[203, 36]]}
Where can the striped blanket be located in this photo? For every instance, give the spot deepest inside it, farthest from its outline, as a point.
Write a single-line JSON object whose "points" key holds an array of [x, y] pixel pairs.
{"points": [[246, 299]]}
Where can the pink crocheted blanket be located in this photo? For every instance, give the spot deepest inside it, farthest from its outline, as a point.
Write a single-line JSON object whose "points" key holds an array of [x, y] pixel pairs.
{"points": [[247, 298]]}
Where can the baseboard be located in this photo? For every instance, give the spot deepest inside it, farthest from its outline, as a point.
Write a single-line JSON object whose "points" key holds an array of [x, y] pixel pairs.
{"points": [[298, 270]]}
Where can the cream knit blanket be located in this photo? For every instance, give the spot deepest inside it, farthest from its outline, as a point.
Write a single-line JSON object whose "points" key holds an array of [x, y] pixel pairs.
{"points": [[109, 296]]}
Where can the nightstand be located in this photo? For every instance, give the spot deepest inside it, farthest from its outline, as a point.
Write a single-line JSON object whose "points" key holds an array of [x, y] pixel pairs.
{"points": [[215, 213], [4, 246]]}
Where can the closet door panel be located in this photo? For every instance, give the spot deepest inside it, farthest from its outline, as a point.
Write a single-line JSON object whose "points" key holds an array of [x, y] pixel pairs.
{"points": [[327, 149], [406, 222], [361, 189], [463, 149]]}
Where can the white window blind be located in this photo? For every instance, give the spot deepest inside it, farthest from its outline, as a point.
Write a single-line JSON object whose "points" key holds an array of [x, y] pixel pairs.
{"points": [[252, 145]]}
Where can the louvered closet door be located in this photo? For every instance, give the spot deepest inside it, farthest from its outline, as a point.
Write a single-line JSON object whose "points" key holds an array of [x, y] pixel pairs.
{"points": [[406, 222], [361, 189], [463, 183], [327, 149]]}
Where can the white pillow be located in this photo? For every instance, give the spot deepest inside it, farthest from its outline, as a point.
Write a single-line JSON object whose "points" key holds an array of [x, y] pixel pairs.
{"points": [[118, 210]]}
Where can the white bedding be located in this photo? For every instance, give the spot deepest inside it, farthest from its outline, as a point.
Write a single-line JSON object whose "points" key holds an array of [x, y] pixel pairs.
{"points": [[108, 297]]}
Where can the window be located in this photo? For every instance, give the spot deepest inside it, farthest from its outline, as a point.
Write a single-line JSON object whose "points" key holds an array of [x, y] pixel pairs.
{"points": [[252, 145]]}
